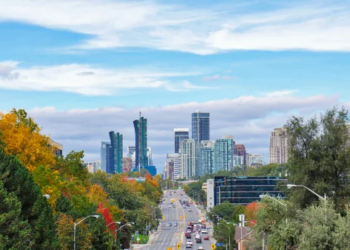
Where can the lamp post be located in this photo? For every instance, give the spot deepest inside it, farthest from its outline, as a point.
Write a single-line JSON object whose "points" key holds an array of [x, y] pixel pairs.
{"points": [[127, 224], [115, 233], [76, 224], [319, 196], [229, 236], [47, 196]]}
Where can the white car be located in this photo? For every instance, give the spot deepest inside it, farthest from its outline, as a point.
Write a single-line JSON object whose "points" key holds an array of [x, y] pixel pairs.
{"points": [[200, 248], [189, 242], [204, 231]]}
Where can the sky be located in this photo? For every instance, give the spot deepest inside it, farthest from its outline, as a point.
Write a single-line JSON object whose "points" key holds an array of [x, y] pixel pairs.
{"points": [[84, 68]]}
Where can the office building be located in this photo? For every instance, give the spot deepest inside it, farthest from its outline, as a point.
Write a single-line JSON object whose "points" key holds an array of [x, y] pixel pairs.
{"points": [[255, 160], [279, 146], [141, 159], [224, 149], [116, 157], [241, 151], [187, 159], [240, 190], [179, 135], [207, 162], [56, 148]]}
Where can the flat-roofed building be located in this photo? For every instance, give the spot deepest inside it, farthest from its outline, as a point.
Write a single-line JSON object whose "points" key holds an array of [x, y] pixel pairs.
{"points": [[56, 148], [279, 146]]}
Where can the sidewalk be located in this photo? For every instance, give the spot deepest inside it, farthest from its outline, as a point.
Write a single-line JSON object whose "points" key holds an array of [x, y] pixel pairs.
{"points": [[152, 238]]}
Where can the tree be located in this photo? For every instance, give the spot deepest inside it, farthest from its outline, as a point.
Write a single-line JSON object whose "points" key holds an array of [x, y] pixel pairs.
{"points": [[319, 157], [21, 137], [225, 233], [14, 232], [224, 210], [34, 207]]}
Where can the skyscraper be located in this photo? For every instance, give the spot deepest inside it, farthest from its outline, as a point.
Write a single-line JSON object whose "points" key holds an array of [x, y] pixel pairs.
{"points": [[240, 149], [140, 127], [207, 163], [105, 155], [200, 126], [224, 149], [255, 160], [187, 158], [116, 156], [279, 146], [179, 135]]}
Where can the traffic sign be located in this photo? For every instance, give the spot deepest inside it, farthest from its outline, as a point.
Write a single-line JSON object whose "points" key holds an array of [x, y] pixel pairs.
{"points": [[180, 217], [219, 244], [213, 246], [178, 246], [169, 248], [163, 217]]}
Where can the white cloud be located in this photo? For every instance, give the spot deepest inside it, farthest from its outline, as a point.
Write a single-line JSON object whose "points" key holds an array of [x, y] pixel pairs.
{"points": [[86, 79], [317, 26], [282, 92], [250, 119]]}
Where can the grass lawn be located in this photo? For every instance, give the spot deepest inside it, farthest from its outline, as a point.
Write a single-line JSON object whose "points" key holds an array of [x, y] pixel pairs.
{"points": [[143, 239]]}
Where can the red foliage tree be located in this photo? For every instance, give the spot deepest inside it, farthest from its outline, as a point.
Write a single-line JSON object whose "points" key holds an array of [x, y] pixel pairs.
{"points": [[108, 218], [251, 211]]}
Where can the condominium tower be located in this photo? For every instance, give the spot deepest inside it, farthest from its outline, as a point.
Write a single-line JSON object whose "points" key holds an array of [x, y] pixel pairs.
{"points": [[179, 135], [187, 158], [200, 126], [279, 146], [116, 158], [141, 159]]}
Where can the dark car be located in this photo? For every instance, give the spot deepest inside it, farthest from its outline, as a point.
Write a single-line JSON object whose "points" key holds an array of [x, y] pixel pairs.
{"points": [[188, 235]]}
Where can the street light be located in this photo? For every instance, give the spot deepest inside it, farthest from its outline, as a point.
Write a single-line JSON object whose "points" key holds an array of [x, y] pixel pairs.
{"points": [[115, 233], [319, 196], [76, 224], [229, 235]]}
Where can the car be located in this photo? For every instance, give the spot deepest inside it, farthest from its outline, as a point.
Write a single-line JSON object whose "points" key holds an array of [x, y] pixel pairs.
{"points": [[184, 207], [189, 210], [189, 242], [169, 206], [188, 246], [206, 238], [188, 235], [204, 231], [200, 248], [198, 240], [169, 224]]}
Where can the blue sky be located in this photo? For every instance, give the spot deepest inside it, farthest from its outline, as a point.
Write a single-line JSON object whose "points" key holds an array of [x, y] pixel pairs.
{"points": [[95, 64]]}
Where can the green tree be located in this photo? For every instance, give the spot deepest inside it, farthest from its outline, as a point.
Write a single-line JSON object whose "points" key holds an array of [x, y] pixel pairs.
{"points": [[35, 209], [319, 157], [225, 233], [14, 232]]}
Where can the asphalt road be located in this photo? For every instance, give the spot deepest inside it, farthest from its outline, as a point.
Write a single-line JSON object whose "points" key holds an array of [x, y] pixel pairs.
{"points": [[171, 236]]}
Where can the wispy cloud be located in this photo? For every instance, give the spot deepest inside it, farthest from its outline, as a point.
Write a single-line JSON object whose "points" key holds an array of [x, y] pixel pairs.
{"points": [[316, 26], [87, 79], [218, 77], [282, 93]]}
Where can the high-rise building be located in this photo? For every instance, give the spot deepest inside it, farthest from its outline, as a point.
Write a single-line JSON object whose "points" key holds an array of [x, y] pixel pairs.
{"points": [[132, 155], [173, 165], [106, 151], [241, 151], [187, 158], [254, 160], [116, 158], [238, 161], [200, 126], [179, 135], [127, 164], [140, 127], [224, 149], [149, 156], [279, 146], [207, 162]]}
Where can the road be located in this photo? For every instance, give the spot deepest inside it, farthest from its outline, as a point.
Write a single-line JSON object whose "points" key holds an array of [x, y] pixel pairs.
{"points": [[171, 236]]}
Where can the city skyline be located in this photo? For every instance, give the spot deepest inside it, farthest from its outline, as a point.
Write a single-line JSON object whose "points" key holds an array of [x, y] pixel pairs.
{"points": [[84, 80]]}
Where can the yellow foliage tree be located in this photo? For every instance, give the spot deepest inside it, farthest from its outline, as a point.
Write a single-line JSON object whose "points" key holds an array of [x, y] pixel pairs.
{"points": [[21, 137], [97, 195]]}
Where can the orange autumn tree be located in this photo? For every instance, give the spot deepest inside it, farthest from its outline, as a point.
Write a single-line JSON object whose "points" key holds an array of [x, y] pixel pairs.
{"points": [[251, 211], [22, 137]]}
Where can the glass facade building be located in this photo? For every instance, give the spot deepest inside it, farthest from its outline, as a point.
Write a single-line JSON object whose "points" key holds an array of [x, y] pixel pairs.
{"points": [[105, 153], [200, 126], [224, 150], [141, 159], [207, 158], [115, 164], [179, 135], [243, 190]]}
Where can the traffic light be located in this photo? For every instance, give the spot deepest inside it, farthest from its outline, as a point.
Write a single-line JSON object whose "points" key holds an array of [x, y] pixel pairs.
{"points": [[212, 246], [178, 246]]}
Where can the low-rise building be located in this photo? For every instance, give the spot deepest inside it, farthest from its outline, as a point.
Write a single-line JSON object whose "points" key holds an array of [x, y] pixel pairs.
{"points": [[240, 190]]}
